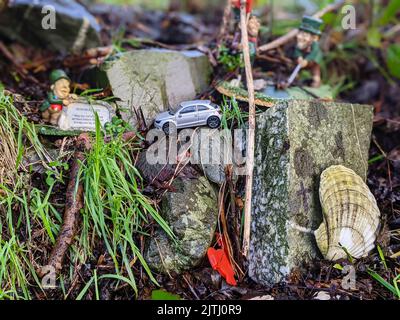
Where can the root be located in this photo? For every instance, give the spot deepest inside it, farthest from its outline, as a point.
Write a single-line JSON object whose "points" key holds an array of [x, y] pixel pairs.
{"points": [[74, 203]]}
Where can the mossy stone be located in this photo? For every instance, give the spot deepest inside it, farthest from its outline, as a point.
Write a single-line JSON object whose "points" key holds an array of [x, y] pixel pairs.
{"points": [[75, 28], [192, 213], [295, 141]]}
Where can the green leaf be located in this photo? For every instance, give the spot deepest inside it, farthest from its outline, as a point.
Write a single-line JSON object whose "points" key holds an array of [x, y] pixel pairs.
{"points": [[396, 286], [164, 295], [376, 159], [349, 256], [21, 148], [329, 18], [393, 60], [54, 164], [338, 266], [389, 13], [85, 289], [382, 281], [50, 180], [374, 37], [382, 256]]}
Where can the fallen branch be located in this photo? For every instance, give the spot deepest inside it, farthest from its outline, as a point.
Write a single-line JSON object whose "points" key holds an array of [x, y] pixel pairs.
{"points": [[292, 34], [252, 126], [74, 203], [19, 68]]}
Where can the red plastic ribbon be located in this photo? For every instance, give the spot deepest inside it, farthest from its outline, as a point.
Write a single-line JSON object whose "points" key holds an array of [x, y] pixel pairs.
{"points": [[220, 262]]}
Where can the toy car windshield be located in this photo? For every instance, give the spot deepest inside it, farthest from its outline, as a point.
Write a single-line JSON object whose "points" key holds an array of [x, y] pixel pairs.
{"points": [[215, 106]]}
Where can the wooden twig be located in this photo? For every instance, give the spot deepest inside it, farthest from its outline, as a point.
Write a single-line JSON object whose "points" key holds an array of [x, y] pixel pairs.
{"points": [[225, 232], [225, 22], [292, 34], [235, 218], [74, 203], [252, 126]]}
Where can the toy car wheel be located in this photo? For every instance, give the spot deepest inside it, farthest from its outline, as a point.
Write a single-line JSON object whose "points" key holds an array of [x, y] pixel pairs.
{"points": [[213, 122], [169, 128]]}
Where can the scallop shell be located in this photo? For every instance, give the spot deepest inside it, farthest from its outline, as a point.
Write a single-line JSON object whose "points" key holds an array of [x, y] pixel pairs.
{"points": [[350, 215]]}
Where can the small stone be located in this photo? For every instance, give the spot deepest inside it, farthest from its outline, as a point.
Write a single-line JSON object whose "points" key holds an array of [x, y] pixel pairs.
{"points": [[156, 80], [260, 84], [33, 161], [266, 297], [192, 213], [75, 28], [159, 174], [295, 142], [322, 295], [80, 115]]}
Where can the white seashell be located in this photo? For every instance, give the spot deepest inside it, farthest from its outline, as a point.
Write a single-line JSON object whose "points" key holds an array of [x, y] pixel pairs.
{"points": [[350, 214]]}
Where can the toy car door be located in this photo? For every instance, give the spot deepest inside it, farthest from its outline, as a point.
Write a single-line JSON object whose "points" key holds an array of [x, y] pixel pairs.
{"points": [[203, 113], [187, 117]]}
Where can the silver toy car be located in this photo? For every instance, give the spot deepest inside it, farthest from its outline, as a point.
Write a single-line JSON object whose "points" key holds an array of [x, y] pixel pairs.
{"points": [[190, 114]]}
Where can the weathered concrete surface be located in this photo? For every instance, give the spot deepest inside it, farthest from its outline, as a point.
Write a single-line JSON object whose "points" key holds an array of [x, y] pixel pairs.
{"points": [[192, 213], [75, 28], [295, 142], [156, 80]]}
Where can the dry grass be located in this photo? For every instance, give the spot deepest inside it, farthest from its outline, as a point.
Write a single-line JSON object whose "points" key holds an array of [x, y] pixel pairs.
{"points": [[8, 142]]}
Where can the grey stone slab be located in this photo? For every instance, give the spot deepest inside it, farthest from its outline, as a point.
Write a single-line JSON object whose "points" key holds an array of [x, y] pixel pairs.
{"points": [[295, 142], [156, 80]]}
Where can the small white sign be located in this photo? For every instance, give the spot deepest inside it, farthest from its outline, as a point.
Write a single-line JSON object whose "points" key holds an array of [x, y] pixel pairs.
{"points": [[81, 116]]}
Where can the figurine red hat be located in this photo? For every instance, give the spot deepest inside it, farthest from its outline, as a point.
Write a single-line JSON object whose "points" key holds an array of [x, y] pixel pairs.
{"points": [[249, 5]]}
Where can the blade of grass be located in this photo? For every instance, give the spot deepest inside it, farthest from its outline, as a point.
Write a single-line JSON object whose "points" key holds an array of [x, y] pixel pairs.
{"points": [[383, 282]]}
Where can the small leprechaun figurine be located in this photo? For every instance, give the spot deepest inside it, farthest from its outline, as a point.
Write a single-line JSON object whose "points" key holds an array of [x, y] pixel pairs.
{"points": [[235, 5], [59, 96], [236, 8], [308, 52], [253, 27]]}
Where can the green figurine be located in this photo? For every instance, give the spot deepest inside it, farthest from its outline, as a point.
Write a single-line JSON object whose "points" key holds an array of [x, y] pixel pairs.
{"points": [[308, 52], [60, 96]]}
